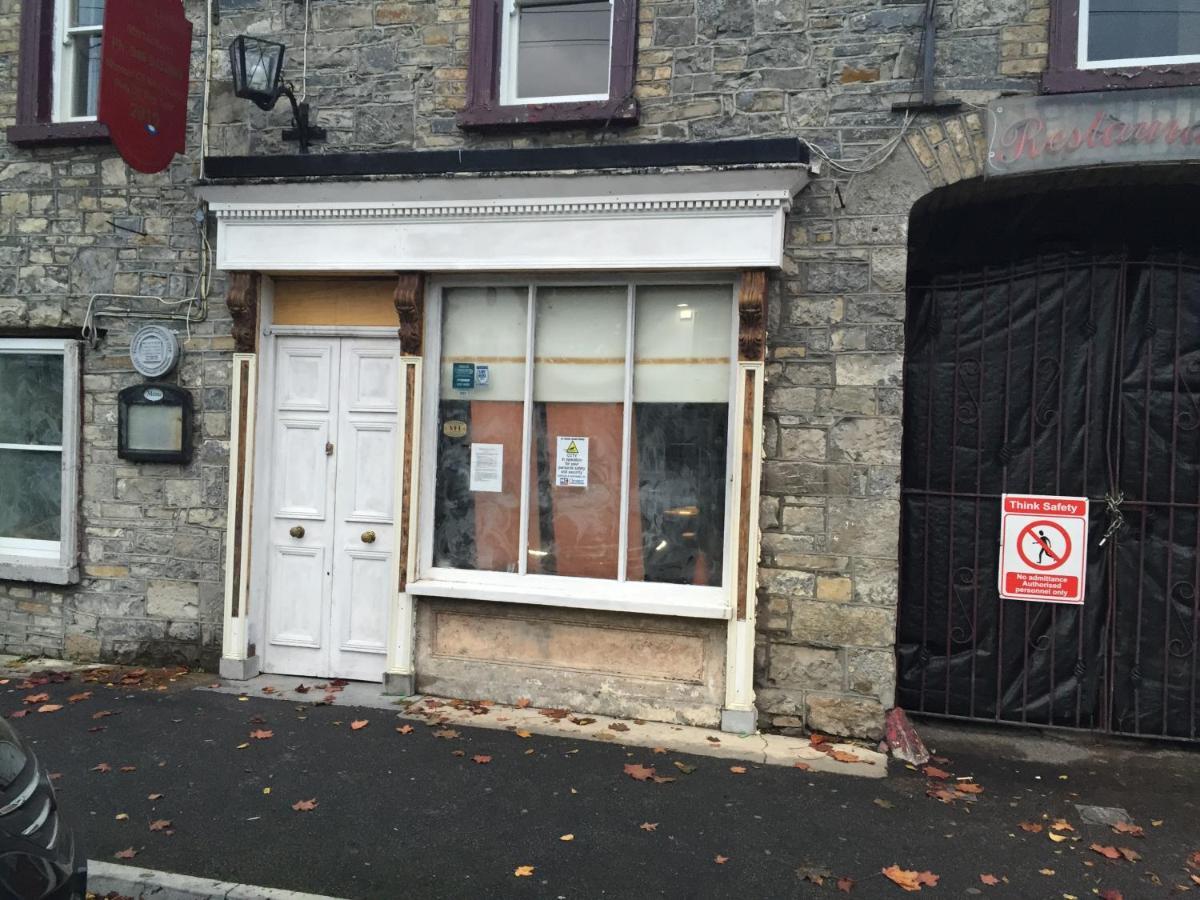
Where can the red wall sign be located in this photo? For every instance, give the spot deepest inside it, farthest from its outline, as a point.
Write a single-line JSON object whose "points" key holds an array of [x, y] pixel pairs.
{"points": [[144, 67], [1043, 548]]}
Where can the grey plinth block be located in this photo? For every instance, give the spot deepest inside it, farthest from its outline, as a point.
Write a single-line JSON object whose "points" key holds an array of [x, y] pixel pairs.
{"points": [[398, 685], [739, 721], [239, 669]]}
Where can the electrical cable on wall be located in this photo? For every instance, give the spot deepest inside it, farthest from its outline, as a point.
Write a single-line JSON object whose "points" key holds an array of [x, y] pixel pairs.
{"points": [[304, 57]]}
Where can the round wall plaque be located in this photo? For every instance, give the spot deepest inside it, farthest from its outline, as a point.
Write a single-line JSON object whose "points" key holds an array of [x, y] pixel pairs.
{"points": [[154, 351]]}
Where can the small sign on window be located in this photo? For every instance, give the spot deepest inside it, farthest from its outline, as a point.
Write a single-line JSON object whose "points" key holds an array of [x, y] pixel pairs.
{"points": [[572, 467]]}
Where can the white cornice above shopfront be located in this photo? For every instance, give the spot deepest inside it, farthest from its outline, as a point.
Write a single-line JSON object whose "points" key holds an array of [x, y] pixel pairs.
{"points": [[708, 219]]}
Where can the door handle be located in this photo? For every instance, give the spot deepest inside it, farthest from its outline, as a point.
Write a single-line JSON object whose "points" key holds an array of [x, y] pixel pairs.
{"points": [[297, 531], [328, 449], [368, 537]]}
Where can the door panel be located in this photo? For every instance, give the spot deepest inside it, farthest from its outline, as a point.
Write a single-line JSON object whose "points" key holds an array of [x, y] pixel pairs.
{"points": [[366, 463], [299, 578]]}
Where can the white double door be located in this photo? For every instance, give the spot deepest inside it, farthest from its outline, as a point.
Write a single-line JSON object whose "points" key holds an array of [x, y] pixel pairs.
{"points": [[333, 464]]}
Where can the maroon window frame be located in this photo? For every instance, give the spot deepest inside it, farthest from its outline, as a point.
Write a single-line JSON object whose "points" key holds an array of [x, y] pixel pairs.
{"points": [[35, 85], [484, 109], [1064, 75]]}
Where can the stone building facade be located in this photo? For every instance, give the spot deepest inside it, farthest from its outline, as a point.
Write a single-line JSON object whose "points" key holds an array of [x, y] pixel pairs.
{"points": [[385, 76]]}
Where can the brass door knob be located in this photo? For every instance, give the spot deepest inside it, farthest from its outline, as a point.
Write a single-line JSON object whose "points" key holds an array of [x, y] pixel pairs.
{"points": [[297, 531], [368, 537]]}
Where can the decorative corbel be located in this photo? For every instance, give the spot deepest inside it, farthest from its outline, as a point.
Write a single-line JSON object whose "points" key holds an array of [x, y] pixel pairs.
{"points": [[410, 307], [752, 316], [242, 300]]}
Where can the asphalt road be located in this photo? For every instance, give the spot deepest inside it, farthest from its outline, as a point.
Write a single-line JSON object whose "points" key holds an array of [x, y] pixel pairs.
{"points": [[401, 815]]}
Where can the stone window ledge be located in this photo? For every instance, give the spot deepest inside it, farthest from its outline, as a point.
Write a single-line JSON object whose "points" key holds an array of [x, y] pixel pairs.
{"points": [[43, 573], [32, 134]]}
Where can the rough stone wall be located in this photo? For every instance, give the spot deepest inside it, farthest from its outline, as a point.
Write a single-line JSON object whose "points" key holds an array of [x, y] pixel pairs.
{"points": [[76, 221]]}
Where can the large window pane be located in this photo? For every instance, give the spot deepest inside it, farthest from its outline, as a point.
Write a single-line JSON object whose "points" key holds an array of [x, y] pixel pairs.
{"points": [[30, 494], [681, 382], [1142, 29], [563, 49], [31, 395], [477, 510], [578, 426]]}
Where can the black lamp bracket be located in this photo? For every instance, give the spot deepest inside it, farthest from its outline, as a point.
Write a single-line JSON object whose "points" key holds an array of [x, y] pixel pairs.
{"points": [[303, 132]]}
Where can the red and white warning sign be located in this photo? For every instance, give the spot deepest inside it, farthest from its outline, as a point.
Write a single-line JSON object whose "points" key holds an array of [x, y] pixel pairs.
{"points": [[1043, 548]]}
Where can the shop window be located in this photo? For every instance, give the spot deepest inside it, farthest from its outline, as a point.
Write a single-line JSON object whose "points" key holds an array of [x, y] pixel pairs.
{"points": [[546, 61], [39, 445], [59, 75], [1106, 44], [580, 441]]}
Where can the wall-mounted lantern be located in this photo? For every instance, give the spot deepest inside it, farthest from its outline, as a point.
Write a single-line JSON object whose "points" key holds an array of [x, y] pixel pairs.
{"points": [[257, 66]]}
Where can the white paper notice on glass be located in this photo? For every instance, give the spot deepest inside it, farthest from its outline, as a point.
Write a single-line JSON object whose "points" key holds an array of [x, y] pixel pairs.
{"points": [[487, 467], [572, 462]]}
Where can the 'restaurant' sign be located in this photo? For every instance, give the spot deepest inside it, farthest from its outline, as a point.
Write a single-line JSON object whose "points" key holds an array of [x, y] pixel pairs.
{"points": [[1034, 134], [144, 80]]}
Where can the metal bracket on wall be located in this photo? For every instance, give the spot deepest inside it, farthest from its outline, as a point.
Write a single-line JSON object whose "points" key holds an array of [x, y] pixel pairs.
{"points": [[928, 102]]}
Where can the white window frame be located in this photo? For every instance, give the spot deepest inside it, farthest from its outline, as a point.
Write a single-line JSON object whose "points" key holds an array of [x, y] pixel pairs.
{"points": [[510, 26], [51, 562], [699, 601], [64, 61], [1084, 63]]}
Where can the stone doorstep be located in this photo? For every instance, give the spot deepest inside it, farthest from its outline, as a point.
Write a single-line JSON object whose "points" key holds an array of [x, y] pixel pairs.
{"points": [[764, 749], [21, 665], [130, 881]]}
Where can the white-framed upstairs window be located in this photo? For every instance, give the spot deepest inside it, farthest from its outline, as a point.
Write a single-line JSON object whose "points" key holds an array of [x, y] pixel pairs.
{"points": [[39, 451], [1132, 33], [79, 26], [576, 443], [556, 51]]}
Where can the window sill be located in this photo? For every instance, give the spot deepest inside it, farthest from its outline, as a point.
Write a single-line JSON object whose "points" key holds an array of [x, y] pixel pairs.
{"points": [[1067, 80], [646, 599], [37, 570], [618, 112], [42, 133]]}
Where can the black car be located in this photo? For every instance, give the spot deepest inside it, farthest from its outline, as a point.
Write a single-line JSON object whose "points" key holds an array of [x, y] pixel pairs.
{"points": [[39, 858]]}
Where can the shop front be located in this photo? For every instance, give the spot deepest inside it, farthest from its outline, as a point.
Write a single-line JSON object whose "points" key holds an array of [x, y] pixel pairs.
{"points": [[500, 436]]}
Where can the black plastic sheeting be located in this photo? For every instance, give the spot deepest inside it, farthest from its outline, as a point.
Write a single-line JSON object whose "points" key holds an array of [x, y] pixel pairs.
{"points": [[1072, 375]]}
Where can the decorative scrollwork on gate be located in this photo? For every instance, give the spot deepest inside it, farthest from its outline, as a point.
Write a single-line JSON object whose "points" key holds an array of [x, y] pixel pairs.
{"points": [[1189, 418], [1042, 641], [967, 377], [964, 582], [1046, 383], [1182, 593]]}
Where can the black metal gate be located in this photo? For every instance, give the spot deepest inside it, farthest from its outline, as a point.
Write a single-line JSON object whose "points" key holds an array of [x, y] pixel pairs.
{"points": [[1074, 375]]}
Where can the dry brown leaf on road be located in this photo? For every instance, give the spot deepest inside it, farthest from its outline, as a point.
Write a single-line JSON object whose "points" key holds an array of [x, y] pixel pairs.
{"points": [[638, 772], [802, 766], [481, 759], [260, 734], [522, 702], [49, 708], [404, 729], [523, 871], [1057, 838], [1062, 825], [104, 713], [720, 860], [358, 724], [908, 879], [128, 769], [160, 824], [1111, 895], [127, 853], [153, 797], [845, 884], [1128, 828], [649, 826], [1106, 852], [101, 767], [567, 837], [37, 698], [448, 734], [989, 879], [78, 698], [305, 805], [618, 726], [935, 772], [1033, 827], [738, 770], [683, 767], [1130, 855]]}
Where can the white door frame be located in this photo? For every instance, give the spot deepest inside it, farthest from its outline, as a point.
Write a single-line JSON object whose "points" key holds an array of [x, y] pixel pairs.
{"points": [[264, 448]]}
